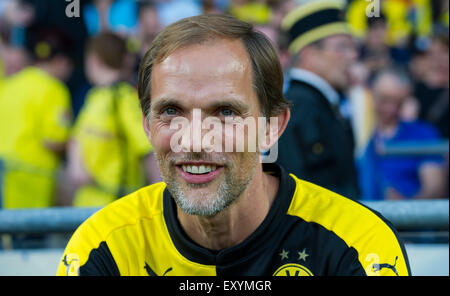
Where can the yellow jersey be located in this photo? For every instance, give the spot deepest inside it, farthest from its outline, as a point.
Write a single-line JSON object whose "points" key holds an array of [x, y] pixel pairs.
{"points": [[2, 71], [403, 18], [34, 108], [112, 143], [308, 231]]}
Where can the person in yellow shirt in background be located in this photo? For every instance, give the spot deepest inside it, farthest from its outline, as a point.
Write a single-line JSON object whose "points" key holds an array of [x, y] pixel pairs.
{"points": [[256, 12], [2, 68], [35, 117], [403, 18], [109, 154]]}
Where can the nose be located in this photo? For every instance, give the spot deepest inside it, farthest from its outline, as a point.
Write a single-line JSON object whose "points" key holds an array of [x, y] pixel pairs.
{"points": [[200, 134]]}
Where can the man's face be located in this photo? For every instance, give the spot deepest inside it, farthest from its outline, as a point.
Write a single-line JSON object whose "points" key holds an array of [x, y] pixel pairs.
{"points": [[389, 96], [438, 62], [334, 58], [214, 77], [92, 66]]}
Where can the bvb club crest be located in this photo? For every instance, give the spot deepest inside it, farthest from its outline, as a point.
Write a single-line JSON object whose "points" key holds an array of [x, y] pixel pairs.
{"points": [[292, 269]]}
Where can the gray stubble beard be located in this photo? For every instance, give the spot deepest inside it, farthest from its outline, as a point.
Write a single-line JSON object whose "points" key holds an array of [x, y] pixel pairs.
{"points": [[229, 191]]}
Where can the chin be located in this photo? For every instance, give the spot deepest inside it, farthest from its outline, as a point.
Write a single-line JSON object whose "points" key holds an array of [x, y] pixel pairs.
{"points": [[203, 199], [201, 203]]}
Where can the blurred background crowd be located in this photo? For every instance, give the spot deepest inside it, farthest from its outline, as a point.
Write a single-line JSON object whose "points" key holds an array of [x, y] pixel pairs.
{"points": [[70, 121]]}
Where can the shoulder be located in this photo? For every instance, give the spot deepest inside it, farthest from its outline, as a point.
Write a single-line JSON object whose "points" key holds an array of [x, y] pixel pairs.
{"points": [[51, 92], [361, 228], [97, 101], [115, 224], [126, 87], [43, 79], [307, 101], [128, 97], [97, 93], [128, 210], [301, 91], [24, 80]]}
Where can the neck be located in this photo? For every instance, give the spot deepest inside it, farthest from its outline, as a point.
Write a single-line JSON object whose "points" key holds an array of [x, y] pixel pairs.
{"points": [[237, 222], [107, 78], [47, 68], [388, 128]]}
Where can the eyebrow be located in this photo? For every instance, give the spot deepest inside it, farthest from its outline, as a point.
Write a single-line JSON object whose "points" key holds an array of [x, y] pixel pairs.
{"points": [[164, 103], [233, 102]]}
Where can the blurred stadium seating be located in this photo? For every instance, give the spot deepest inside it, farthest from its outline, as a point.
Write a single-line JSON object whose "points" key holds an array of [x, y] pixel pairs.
{"points": [[32, 240]]}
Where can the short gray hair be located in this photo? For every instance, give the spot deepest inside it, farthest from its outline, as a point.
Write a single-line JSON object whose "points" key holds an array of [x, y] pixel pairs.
{"points": [[267, 73], [399, 74]]}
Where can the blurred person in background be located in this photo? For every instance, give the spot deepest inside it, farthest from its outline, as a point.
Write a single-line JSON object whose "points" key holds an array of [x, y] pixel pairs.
{"points": [[279, 41], [2, 63], [432, 84], [403, 18], [26, 14], [375, 52], [318, 144], [267, 16], [108, 144], [398, 177], [440, 13], [170, 11], [149, 25], [119, 16], [215, 6], [14, 16], [253, 11], [12, 58], [362, 107], [35, 117]]}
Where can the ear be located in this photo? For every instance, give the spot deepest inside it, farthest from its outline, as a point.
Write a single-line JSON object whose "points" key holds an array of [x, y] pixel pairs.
{"points": [[275, 128]]}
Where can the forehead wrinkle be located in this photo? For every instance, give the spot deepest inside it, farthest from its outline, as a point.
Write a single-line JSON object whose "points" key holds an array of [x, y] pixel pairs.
{"points": [[203, 73], [184, 61]]}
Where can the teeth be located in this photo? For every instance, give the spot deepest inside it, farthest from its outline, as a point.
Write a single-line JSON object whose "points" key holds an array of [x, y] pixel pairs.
{"points": [[194, 169], [202, 169]]}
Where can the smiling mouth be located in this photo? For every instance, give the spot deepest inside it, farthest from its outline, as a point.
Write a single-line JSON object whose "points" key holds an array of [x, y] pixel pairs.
{"points": [[198, 169], [199, 173]]}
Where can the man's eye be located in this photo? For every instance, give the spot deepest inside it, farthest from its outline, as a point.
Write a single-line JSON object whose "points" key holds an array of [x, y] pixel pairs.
{"points": [[170, 111], [226, 112]]}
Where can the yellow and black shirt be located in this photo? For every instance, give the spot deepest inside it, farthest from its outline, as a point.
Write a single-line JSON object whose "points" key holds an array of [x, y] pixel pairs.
{"points": [[34, 109], [112, 144], [308, 231]]}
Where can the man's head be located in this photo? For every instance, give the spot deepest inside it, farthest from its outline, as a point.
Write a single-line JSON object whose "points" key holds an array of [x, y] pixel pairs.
{"points": [[438, 60], [320, 41], [149, 23], [391, 88], [222, 67], [105, 55], [331, 58], [51, 49]]}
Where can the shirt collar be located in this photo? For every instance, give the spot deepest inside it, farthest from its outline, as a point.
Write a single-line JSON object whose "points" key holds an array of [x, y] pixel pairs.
{"points": [[252, 244], [317, 82]]}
